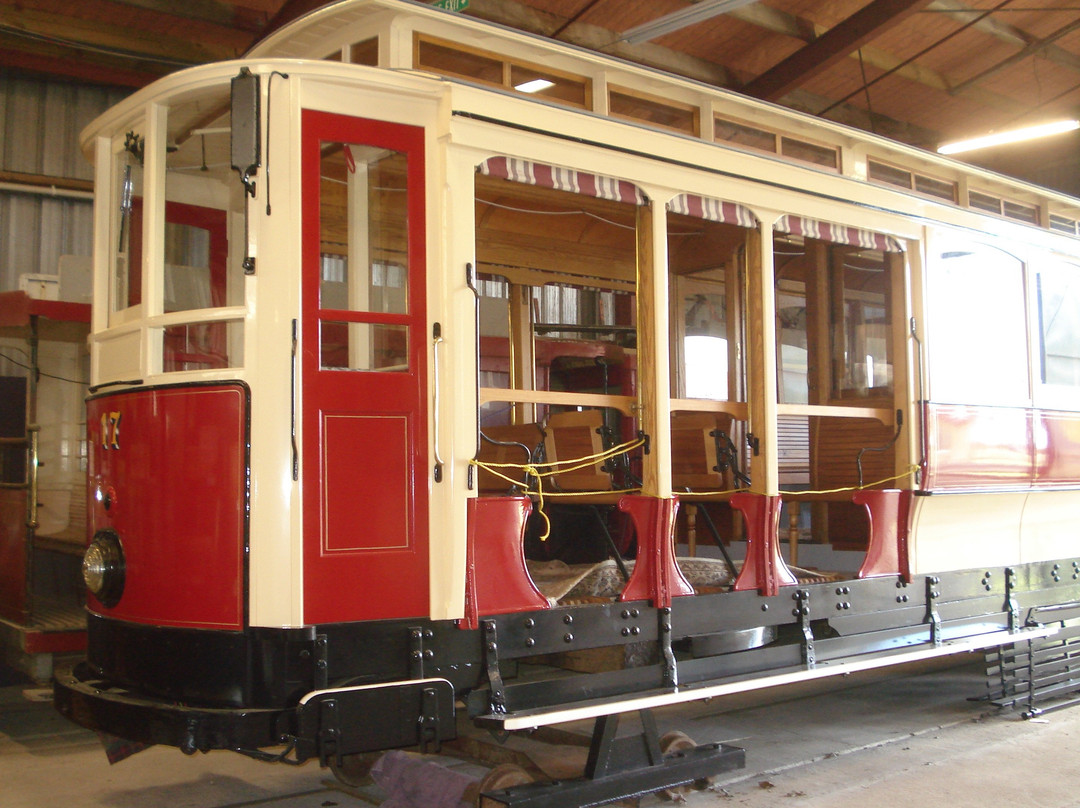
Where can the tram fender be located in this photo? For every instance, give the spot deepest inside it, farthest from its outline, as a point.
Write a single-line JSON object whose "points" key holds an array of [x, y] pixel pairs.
{"points": [[343, 721]]}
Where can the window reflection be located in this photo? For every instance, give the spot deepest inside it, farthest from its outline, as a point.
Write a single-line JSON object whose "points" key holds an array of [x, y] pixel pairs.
{"points": [[978, 326], [833, 321], [1058, 290]]}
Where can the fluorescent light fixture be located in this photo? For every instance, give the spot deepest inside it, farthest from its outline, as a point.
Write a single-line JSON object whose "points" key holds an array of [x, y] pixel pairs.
{"points": [[534, 86], [698, 12], [1013, 136]]}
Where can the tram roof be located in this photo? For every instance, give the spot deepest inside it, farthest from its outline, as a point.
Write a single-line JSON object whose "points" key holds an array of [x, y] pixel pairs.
{"points": [[331, 34], [332, 30]]}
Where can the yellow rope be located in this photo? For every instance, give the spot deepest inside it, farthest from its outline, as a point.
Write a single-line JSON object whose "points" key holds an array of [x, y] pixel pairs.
{"points": [[911, 470], [534, 470], [685, 494]]}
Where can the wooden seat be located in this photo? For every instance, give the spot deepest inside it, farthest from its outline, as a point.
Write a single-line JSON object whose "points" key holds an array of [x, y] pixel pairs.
{"points": [[695, 463], [837, 454], [571, 436], [512, 443], [696, 468]]}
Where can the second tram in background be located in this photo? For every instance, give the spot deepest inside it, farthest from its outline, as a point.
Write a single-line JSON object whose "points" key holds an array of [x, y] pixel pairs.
{"points": [[507, 381]]}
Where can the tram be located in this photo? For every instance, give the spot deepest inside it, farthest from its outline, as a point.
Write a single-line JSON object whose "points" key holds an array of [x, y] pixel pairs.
{"points": [[441, 371]]}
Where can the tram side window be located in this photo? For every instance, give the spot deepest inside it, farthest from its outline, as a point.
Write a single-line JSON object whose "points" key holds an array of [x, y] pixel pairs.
{"points": [[833, 321], [705, 260], [125, 288], [861, 344], [557, 302], [363, 210], [1058, 295], [201, 262], [978, 326]]}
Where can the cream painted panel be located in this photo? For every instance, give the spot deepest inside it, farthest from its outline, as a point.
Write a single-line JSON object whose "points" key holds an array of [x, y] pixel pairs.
{"points": [[1048, 529], [960, 531], [118, 357]]}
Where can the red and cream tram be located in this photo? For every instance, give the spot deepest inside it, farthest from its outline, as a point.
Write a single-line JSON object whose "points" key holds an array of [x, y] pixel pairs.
{"points": [[439, 370]]}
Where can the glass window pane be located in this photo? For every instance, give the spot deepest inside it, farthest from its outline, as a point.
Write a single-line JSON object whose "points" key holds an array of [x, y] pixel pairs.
{"points": [[364, 235], [705, 260], [203, 346], [196, 259], [732, 132], [364, 346], [861, 326], [1059, 324], [810, 152], [456, 62], [791, 335], [548, 85], [126, 287], [892, 175], [365, 53], [672, 116], [201, 268], [935, 187], [985, 202], [978, 327]]}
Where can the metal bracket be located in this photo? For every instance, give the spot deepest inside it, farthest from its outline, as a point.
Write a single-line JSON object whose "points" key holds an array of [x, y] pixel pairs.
{"points": [[802, 611], [321, 663], [609, 754], [329, 732], [727, 457], [428, 722], [671, 670], [753, 442], [1011, 606], [491, 664], [621, 767], [932, 616], [417, 653]]}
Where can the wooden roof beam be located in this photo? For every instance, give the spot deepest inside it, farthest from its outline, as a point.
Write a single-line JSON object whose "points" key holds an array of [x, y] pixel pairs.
{"points": [[116, 38], [836, 44], [217, 12], [1030, 50], [50, 60], [1005, 32]]}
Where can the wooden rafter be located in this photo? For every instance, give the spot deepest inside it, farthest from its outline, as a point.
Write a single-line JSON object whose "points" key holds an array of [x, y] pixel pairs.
{"points": [[836, 44], [114, 37], [1030, 50]]}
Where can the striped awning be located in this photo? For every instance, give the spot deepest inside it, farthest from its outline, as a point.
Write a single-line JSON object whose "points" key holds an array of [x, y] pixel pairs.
{"points": [[715, 210], [837, 233], [562, 179]]}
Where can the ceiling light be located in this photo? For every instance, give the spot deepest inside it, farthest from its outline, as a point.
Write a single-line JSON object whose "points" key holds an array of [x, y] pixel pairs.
{"points": [[680, 19], [534, 86], [1014, 136]]}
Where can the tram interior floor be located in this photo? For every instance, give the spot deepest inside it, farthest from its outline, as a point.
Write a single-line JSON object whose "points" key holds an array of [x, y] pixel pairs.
{"points": [[911, 735]]}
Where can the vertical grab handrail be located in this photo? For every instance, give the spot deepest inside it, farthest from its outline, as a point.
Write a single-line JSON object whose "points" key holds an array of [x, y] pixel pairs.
{"points": [[32, 476], [292, 406], [436, 341], [470, 281]]}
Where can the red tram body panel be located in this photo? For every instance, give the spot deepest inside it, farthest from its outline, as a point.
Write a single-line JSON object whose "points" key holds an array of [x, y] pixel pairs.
{"points": [[184, 555]]}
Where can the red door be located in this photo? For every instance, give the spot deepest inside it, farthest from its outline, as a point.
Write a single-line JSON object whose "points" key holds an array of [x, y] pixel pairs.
{"points": [[364, 370]]}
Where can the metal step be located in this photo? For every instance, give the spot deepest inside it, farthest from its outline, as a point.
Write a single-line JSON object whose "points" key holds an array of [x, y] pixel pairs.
{"points": [[644, 700]]}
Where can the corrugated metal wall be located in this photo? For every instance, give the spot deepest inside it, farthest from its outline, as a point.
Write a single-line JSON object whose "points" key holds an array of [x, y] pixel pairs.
{"points": [[40, 124]]}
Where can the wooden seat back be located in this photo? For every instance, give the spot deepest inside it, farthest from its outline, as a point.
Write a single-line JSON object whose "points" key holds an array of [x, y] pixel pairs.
{"points": [[517, 436], [693, 452], [834, 451], [571, 436]]}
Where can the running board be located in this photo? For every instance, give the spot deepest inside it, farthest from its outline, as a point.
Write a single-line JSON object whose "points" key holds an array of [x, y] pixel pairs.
{"points": [[646, 700]]}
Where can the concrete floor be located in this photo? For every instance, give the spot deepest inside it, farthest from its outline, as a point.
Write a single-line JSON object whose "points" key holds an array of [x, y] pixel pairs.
{"points": [[911, 737]]}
